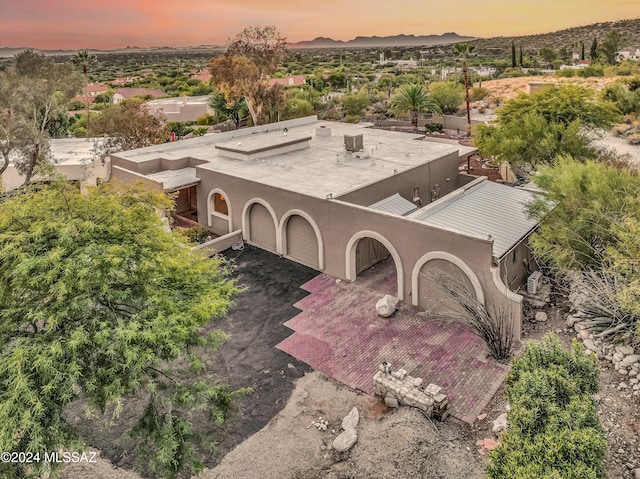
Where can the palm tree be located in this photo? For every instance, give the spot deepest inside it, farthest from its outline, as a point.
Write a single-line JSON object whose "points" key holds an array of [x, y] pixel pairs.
{"points": [[84, 59], [462, 50], [414, 99]]}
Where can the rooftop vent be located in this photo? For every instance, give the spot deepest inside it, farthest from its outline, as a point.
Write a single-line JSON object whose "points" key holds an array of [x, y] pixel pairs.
{"points": [[353, 143], [323, 131]]}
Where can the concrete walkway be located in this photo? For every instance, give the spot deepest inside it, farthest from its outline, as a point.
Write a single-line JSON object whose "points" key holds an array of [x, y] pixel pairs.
{"points": [[339, 333]]}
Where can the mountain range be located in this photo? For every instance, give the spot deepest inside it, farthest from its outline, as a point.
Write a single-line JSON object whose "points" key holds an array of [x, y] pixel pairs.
{"points": [[391, 41]]}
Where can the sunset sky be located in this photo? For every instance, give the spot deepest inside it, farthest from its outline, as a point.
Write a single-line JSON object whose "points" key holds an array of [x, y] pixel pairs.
{"points": [[105, 24]]}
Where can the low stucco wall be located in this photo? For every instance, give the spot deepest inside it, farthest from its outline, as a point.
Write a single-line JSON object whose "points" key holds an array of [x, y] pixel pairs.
{"points": [[220, 243]]}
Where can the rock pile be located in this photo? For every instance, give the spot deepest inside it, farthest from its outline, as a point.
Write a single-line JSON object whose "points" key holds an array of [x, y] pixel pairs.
{"points": [[624, 358]]}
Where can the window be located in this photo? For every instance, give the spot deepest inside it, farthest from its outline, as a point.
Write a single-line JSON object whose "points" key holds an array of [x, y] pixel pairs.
{"points": [[220, 204], [416, 193]]}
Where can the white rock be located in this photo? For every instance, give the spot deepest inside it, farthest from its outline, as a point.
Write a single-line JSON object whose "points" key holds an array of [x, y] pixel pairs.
{"points": [[590, 345], [500, 424], [345, 440], [387, 305], [623, 371], [629, 360], [617, 357], [584, 334], [622, 386], [570, 321], [351, 420], [626, 350], [541, 316]]}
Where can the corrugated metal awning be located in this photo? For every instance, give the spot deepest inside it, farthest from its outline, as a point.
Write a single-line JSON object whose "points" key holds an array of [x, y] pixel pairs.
{"points": [[485, 209], [395, 204]]}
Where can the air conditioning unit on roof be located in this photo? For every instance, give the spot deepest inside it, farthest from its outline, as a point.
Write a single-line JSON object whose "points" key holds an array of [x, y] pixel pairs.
{"points": [[534, 282]]}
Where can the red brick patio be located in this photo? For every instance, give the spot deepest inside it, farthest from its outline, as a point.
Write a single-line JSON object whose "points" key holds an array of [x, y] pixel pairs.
{"points": [[339, 333]]}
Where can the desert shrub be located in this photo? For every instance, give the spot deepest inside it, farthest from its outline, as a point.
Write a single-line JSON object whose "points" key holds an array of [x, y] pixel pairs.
{"points": [[352, 118], [477, 93], [565, 72], [206, 119], [433, 127], [554, 430], [194, 234], [591, 71]]}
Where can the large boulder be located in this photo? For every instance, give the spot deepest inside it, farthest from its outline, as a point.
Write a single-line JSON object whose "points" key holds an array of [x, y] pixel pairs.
{"points": [[345, 440], [351, 420], [387, 306]]}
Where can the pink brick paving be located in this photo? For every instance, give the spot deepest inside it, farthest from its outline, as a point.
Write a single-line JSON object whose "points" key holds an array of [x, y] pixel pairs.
{"points": [[339, 333]]}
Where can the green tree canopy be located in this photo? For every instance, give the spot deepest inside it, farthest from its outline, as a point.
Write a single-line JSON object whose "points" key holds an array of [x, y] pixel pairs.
{"points": [[98, 301], [587, 200], [413, 98], [126, 126], [241, 72], [533, 129], [448, 95]]}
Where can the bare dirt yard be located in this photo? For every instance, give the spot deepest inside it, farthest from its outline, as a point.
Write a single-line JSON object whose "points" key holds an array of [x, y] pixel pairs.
{"points": [[272, 436]]}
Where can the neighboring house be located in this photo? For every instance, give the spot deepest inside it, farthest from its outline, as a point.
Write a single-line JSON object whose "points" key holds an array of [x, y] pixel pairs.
{"points": [[411, 63], [94, 89], [203, 76], [291, 80], [72, 157], [339, 198], [184, 108], [122, 81], [124, 93], [629, 54]]}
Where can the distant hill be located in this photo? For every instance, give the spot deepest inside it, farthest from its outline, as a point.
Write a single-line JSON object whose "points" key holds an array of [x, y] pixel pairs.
{"points": [[392, 41], [569, 38]]}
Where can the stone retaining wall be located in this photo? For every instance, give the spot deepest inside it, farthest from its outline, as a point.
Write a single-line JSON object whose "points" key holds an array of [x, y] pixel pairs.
{"points": [[397, 388]]}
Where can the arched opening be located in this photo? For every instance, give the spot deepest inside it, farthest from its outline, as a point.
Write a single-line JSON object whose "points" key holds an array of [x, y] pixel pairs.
{"points": [[428, 295], [301, 239], [219, 209], [372, 258], [262, 229]]}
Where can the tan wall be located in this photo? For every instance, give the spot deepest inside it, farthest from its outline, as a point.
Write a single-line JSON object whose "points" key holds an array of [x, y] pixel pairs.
{"points": [[155, 165], [339, 221], [443, 171], [219, 244], [121, 174], [517, 265]]}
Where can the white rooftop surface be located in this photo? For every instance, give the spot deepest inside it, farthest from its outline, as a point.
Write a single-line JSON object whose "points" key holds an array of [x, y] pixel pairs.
{"points": [[484, 209], [72, 151], [180, 100], [323, 168], [175, 179]]}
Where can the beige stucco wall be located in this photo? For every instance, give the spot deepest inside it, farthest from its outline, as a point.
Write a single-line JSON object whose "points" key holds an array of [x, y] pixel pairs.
{"points": [[517, 265], [442, 172], [341, 223]]}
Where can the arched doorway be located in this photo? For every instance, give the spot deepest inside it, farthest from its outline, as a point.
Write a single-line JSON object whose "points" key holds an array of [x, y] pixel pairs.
{"points": [[262, 229], [301, 239], [368, 248]]}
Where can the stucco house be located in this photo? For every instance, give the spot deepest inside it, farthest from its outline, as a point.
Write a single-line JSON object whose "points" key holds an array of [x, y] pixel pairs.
{"points": [[184, 108], [73, 158], [123, 93], [339, 198]]}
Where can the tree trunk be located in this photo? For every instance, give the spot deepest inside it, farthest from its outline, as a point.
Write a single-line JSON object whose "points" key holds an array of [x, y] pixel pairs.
{"points": [[466, 94]]}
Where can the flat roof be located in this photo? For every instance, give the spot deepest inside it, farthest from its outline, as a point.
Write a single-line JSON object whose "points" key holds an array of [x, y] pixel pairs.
{"points": [[72, 151], [323, 168], [484, 208], [180, 100], [174, 179]]}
